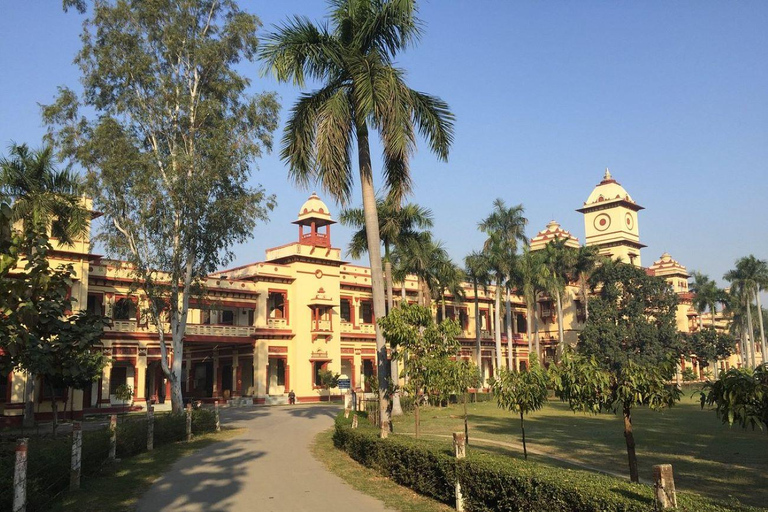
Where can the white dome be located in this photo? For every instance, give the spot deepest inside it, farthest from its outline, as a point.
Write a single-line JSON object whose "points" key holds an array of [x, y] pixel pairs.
{"points": [[608, 190], [314, 209]]}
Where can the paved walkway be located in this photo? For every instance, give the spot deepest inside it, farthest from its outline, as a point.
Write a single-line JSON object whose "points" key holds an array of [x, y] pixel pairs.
{"points": [[267, 468]]}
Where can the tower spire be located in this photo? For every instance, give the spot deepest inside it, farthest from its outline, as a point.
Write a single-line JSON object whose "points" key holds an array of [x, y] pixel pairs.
{"points": [[607, 175]]}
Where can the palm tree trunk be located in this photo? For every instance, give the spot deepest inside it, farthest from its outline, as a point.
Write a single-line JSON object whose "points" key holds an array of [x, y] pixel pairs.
{"points": [[585, 294], [478, 347], [377, 279], [528, 312], [420, 292], [522, 427], [762, 330], [497, 326], [510, 340], [397, 409], [29, 403], [442, 304], [751, 333], [536, 330], [402, 291], [713, 311], [560, 333]]}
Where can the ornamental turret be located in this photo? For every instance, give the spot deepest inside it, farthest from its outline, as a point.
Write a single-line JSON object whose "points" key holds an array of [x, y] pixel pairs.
{"points": [[610, 221], [314, 223]]}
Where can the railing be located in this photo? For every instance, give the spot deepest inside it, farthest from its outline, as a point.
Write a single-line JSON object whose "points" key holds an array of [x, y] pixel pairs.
{"points": [[347, 327], [368, 328], [219, 330], [321, 325], [277, 323], [485, 333]]}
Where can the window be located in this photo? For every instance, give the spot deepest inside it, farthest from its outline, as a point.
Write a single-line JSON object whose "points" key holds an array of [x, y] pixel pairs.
{"points": [[522, 326], [227, 317], [281, 372], [251, 316], [346, 310], [366, 311], [117, 377], [125, 309], [317, 367], [94, 304], [206, 314], [464, 319], [276, 304]]}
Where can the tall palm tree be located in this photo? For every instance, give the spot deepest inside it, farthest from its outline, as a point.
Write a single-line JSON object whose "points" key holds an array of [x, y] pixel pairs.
{"points": [[449, 278], [705, 294], [476, 266], [587, 259], [530, 278], [505, 227], [420, 256], [747, 278], [43, 199], [559, 259], [362, 90], [397, 224]]}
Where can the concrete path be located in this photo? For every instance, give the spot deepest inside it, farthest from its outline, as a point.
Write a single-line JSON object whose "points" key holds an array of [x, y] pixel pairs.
{"points": [[268, 468]]}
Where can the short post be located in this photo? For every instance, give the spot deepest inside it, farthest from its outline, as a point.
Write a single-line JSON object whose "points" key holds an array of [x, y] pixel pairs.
{"points": [[460, 448], [77, 450], [112, 437], [20, 476], [189, 422], [354, 421], [216, 415], [664, 486], [150, 428]]}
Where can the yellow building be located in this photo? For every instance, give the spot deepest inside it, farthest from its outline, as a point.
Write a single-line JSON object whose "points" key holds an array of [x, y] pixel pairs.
{"points": [[269, 327]]}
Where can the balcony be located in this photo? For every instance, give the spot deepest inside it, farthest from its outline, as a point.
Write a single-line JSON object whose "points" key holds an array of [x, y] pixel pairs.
{"points": [[367, 328], [347, 327], [321, 326], [277, 323], [485, 333]]}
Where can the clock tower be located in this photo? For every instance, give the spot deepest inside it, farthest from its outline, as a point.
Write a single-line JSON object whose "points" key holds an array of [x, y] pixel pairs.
{"points": [[610, 221]]}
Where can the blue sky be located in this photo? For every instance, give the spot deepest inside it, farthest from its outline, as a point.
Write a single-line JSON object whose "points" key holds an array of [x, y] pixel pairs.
{"points": [[672, 96]]}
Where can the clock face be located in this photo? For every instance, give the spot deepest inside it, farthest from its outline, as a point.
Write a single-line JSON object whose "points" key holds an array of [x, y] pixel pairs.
{"points": [[602, 222], [630, 221]]}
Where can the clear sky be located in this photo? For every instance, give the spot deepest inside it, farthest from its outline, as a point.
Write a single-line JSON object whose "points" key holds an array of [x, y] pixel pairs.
{"points": [[671, 96]]}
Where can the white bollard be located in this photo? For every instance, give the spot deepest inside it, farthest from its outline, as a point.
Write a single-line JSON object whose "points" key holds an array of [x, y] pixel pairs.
{"points": [[150, 428], [77, 450], [20, 477], [112, 437], [664, 486], [460, 448], [189, 422], [354, 421], [216, 415]]}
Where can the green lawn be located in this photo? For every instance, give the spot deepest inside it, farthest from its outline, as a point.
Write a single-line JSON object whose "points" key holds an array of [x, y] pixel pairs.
{"points": [[707, 457], [120, 487]]}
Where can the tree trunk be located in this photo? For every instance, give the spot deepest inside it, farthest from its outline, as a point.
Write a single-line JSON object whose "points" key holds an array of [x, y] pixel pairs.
{"points": [[630, 439], [751, 333], [466, 426], [560, 333], [416, 413], [510, 338], [585, 294], [397, 409], [497, 326], [442, 304], [762, 329], [536, 330], [403, 293], [374, 254], [54, 409], [522, 427], [29, 403], [528, 311]]}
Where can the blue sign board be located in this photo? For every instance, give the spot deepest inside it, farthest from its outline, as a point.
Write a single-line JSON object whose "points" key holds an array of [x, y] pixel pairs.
{"points": [[343, 383]]}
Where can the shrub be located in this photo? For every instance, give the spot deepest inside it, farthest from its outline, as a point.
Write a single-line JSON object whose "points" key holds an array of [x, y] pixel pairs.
{"points": [[497, 483], [203, 420]]}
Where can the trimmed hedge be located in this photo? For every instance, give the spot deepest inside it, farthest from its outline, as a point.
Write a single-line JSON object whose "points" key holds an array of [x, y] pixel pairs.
{"points": [[48, 459], [496, 483]]}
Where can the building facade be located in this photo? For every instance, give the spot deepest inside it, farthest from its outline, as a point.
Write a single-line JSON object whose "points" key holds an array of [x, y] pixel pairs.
{"points": [[269, 327]]}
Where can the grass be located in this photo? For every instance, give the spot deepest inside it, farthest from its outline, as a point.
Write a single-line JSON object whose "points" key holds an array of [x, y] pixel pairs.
{"points": [[121, 486], [708, 457], [370, 482]]}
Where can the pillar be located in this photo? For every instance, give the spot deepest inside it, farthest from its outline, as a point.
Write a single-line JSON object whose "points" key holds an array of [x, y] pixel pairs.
{"points": [[216, 376], [260, 360], [105, 383], [140, 378], [237, 381]]}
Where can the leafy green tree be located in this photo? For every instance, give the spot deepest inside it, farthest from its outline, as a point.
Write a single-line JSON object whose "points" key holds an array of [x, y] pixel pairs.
{"points": [[630, 347], [522, 392], [424, 348], [709, 345], [169, 147], [124, 393], [748, 278], [329, 380], [41, 335], [740, 396], [530, 276], [462, 375], [44, 200], [361, 90], [559, 259], [505, 227], [477, 270]]}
